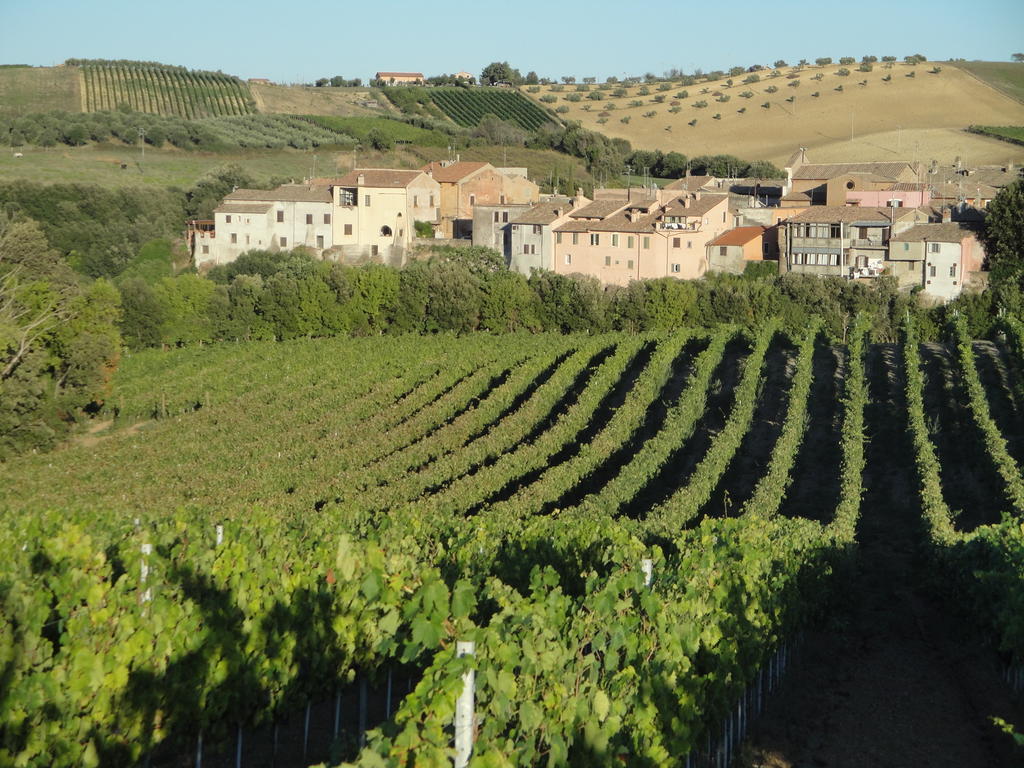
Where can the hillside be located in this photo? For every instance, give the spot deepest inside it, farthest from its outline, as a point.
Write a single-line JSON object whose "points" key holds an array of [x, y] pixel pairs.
{"points": [[40, 89], [913, 115]]}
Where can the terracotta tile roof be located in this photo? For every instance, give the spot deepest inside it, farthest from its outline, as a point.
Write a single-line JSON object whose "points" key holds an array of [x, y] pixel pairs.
{"points": [[543, 213], [620, 222], [599, 209], [690, 183], [388, 75], [739, 236], [906, 186], [378, 177], [574, 226], [802, 197], [697, 207], [970, 189], [452, 173], [243, 208], [288, 193], [832, 214], [890, 170], [947, 232]]}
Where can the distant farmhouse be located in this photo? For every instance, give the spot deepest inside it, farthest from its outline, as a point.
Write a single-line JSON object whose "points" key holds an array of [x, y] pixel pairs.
{"points": [[400, 78]]}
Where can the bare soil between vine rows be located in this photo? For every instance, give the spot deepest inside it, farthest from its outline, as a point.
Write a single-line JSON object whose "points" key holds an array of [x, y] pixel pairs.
{"points": [[895, 677]]}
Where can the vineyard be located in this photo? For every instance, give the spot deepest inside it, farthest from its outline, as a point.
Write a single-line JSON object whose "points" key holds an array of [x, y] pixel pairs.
{"points": [[467, 106], [161, 90], [628, 527]]}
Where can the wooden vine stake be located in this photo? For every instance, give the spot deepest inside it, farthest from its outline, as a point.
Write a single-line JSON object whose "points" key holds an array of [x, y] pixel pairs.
{"points": [[464, 708], [647, 566], [147, 593]]}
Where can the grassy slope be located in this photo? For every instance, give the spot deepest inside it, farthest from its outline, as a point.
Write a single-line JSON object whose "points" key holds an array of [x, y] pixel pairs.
{"points": [[40, 89], [100, 164], [1006, 77], [923, 116], [300, 100]]}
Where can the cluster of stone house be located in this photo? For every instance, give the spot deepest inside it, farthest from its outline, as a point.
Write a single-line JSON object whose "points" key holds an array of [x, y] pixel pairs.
{"points": [[852, 220], [367, 214]]}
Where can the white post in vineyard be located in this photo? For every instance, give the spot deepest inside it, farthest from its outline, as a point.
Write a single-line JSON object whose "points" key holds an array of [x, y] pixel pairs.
{"points": [[147, 594], [464, 709], [647, 565], [219, 530]]}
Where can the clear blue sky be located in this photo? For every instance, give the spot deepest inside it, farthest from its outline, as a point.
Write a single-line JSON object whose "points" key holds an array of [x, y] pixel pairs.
{"points": [[298, 42]]}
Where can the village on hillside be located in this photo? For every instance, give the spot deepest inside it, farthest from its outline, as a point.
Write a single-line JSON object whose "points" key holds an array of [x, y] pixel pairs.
{"points": [[851, 220]]}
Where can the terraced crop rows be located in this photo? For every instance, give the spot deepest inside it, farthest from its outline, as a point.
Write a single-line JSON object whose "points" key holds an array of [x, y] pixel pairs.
{"points": [[380, 501], [468, 106], [164, 91]]}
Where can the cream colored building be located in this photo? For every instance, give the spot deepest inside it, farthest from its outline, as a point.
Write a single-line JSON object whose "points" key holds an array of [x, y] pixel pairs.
{"points": [[267, 219], [376, 210]]}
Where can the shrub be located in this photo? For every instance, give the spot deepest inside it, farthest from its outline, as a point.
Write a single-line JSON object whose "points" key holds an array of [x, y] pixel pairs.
{"points": [[582, 88], [838, 88], [557, 88], [824, 61], [700, 104], [562, 109], [771, 89], [619, 93], [651, 113], [741, 110], [816, 94], [843, 72], [791, 99], [595, 96], [847, 60], [747, 95], [716, 116], [865, 67], [766, 105], [723, 98], [692, 123], [676, 110], [683, 95], [573, 97], [818, 76], [911, 74], [602, 120], [625, 120], [887, 78], [643, 90], [794, 84], [752, 78], [636, 103], [935, 70], [423, 228], [659, 99], [549, 98], [869, 59], [533, 89], [665, 87]]}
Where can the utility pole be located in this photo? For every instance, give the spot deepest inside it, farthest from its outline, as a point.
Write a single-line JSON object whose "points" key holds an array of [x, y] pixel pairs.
{"points": [[142, 141]]}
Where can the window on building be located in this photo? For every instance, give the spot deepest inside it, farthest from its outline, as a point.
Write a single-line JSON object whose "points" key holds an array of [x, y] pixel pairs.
{"points": [[536, 229], [206, 249], [319, 241], [348, 229], [502, 200], [906, 246], [629, 264], [568, 258], [374, 250], [595, 239], [931, 270], [504, 217], [607, 261], [366, 200], [933, 247], [472, 199], [558, 238], [952, 270], [723, 216], [385, 231], [496, 217], [284, 242], [835, 230], [309, 218], [722, 250], [575, 238], [629, 242], [431, 201], [689, 243], [676, 242], [280, 216], [234, 237], [246, 239], [615, 241], [227, 219], [415, 201], [833, 259], [327, 218], [647, 243], [675, 268]]}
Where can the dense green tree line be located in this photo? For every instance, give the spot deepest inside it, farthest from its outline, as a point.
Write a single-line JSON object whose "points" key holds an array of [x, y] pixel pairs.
{"points": [[266, 295], [59, 340]]}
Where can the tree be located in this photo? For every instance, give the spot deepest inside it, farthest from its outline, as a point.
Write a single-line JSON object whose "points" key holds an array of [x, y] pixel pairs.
{"points": [[824, 61], [500, 72], [780, 64], [322, 82], [1018, 57], [1004, 235], [531, 78], [379, 140]]}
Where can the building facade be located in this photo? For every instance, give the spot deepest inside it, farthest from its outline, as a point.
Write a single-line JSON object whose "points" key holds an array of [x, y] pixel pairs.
{"points": [[464, 185]]}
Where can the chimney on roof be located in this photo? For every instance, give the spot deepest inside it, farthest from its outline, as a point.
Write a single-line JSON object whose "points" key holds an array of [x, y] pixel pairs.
{"points": [[696, 194], [686, 202], [947, 215], [558, 213], [360, 179]]}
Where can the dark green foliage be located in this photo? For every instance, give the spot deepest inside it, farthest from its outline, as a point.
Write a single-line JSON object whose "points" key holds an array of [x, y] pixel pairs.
{"points": [[1004, 235], [58, 340], [500, 72]]}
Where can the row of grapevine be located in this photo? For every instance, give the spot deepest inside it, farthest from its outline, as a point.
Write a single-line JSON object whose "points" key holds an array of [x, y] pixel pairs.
{"points": [[468, 106], [438, 455], [164, 91]]}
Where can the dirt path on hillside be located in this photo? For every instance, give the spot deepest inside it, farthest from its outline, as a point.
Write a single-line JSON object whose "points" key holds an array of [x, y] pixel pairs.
{"points": [[896, 677]]}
